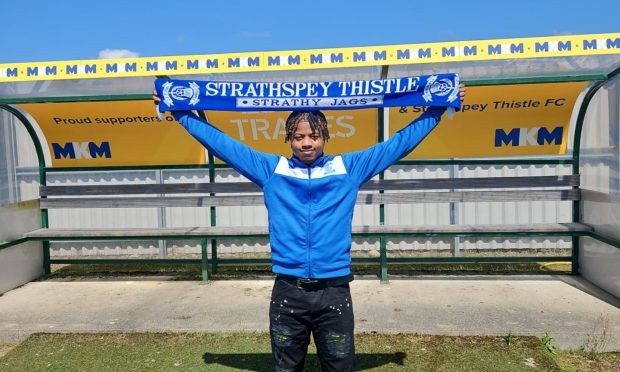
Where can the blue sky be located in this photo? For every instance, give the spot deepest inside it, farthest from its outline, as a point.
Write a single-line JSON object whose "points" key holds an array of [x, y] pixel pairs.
{"points": [[66, 30]]}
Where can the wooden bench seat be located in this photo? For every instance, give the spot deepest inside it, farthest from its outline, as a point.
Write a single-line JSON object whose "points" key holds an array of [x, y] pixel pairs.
{"points": [[223, 232]]}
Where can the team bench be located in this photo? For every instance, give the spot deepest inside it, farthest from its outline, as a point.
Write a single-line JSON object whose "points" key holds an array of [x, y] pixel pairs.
{"points": [[375, 192]]}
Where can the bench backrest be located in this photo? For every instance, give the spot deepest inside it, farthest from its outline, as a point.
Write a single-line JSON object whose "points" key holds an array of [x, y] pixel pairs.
{"points": [[490, 189]]}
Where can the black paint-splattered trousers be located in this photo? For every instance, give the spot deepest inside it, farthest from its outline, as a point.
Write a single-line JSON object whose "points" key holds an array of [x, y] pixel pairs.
{"points": [[326, 313]]}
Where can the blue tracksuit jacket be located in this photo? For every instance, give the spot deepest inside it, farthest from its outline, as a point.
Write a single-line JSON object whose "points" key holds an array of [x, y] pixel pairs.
{"points": [[310, 206]]}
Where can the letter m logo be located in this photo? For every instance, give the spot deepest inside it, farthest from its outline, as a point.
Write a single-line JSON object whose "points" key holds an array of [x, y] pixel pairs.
{"points": [[82, 150], [99, 151], [516, 48], [361, 56], [403, 54], [336, 57], [294, 60], [234, 62], [253, 61], [591, 44], [613, 43], [470, 51], [564, 45], [494, 49], [316, 58], [447, 52], [555, 136], [65, 151], [510, 138], [380, 55]]}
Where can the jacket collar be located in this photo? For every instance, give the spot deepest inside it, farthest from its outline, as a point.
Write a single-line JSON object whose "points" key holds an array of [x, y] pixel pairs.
{"points": [[321, 160]]}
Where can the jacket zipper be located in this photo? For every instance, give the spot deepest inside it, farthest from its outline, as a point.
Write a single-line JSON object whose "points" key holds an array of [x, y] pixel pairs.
{"points": [[309, 222]]}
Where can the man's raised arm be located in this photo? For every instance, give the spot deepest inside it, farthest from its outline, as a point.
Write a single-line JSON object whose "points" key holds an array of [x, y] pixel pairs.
{"points": [[363, 165], [256, 166]]}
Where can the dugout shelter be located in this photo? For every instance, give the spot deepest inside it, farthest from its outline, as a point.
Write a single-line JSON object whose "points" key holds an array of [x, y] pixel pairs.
{"points": [[545, 106]]}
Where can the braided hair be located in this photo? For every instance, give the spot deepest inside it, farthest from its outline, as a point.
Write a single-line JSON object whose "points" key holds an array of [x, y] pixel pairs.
{"points": [[316, 119]]}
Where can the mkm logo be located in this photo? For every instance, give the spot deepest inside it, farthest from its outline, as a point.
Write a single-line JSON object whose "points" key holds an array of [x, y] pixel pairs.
{"points": [[82, 150], [528, 136]]}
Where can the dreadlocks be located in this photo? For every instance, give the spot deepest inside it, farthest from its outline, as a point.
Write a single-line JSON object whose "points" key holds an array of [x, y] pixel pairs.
{"points": [[318, 123]]}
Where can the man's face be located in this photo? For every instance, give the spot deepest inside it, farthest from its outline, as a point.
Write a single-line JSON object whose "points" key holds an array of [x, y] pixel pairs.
{"points": [[307, 145]]}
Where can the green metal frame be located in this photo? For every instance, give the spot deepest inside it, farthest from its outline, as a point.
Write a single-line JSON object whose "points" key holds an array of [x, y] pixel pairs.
{"points": [[567, 160], [491, 234], [524, 259], [383, 270], [127, 261], [212, 214], [538, 79], [383, 259], [605, 239], [13, 243], [497, 161], [126, 167]]}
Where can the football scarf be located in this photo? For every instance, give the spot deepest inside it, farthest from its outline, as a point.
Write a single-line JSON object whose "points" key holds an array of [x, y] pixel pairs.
{"points": [[430, 90]]}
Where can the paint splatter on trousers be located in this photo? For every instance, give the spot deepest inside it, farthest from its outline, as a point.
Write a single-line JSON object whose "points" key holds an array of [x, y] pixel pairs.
{"points": [[326, 314]]}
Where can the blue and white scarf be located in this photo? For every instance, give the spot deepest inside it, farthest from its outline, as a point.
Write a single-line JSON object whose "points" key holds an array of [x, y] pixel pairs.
{"points": [[430, 90]]}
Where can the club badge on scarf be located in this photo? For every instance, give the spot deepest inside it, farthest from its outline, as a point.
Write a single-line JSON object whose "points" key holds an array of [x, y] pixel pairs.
{"points": [[430, 90]]}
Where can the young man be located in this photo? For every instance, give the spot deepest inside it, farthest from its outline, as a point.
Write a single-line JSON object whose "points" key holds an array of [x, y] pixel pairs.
{"points": [[310, 199]]}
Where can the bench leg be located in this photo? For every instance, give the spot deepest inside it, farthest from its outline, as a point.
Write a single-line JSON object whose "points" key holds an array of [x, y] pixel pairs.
{"points": [[47, 267], [204, 264], [383, 261], [213, 256], [575, 256]]}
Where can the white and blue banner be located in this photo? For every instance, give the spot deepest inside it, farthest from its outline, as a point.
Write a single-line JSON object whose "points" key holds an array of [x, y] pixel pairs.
{"points": [[430, 90]]}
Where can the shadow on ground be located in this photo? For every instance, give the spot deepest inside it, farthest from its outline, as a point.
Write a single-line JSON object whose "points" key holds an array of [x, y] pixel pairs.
{"points": [[263, 362]]}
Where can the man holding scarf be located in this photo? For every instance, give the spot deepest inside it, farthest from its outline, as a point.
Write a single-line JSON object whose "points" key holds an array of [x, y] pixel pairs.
{"points": [[310, 198]]}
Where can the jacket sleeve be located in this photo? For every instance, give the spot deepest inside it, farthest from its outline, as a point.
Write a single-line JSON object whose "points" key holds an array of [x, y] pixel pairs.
{"points": [[365, 164], [256, 166]]}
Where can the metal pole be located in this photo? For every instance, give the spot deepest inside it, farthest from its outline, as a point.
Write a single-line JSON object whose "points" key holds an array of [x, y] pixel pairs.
{"points": [[454, 215], [204, 264], [383, 119], [161, 217]]}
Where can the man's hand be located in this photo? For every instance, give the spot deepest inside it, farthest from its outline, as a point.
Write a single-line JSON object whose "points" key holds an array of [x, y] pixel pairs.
{"points": [[156, 98], [462, 91]]}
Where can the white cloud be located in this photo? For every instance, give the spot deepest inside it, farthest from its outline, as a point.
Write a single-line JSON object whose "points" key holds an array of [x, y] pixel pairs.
{"points": [[117, 53]]}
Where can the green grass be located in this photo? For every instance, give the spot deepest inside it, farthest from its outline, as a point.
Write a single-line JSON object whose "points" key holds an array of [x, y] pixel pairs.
{"points": [[578, 361], [251, 351]]}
